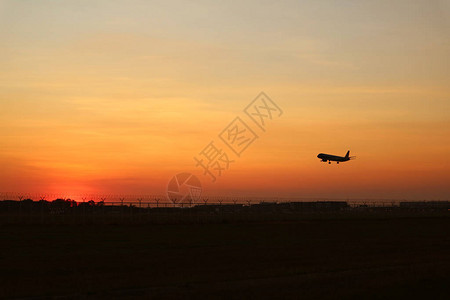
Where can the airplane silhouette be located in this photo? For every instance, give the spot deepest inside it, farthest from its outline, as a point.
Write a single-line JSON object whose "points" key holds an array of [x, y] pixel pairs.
{"points": [[328, 157]]}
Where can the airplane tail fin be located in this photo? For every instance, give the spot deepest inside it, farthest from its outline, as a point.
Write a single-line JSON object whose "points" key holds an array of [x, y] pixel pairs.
{"points": [[348, 155]]}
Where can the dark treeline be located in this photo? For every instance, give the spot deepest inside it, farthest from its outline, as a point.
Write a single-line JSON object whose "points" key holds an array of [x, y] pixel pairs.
{"points": [[62, 206]]}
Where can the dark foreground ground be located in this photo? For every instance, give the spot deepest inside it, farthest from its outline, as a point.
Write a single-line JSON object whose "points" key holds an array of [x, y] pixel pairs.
{"points": [[374, 257]]}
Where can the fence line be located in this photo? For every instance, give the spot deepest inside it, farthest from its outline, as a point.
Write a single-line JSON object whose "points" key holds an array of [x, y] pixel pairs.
{"points": [[155, 200], [247, 203], [63, 211]]}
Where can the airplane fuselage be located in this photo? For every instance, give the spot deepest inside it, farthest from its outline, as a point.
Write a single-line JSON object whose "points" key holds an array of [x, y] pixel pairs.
{"points": [[330, 157]]}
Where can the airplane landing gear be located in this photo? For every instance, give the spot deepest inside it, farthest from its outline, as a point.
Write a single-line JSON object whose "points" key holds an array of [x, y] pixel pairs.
{"points": [[337, 162], [329, 162]]}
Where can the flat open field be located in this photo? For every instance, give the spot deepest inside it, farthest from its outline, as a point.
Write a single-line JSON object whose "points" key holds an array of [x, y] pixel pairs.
{"points": [[359, 258]]}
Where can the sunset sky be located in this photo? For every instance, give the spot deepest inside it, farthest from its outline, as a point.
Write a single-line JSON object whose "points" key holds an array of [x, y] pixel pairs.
{"points": [[116, 97]]}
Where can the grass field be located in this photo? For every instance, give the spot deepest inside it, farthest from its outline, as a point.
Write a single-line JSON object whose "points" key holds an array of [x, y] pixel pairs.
{"points": [[311, 258]]}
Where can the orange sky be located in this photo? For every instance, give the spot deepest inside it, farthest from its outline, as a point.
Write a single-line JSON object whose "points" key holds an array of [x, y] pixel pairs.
{"points": [[117, 97]]}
